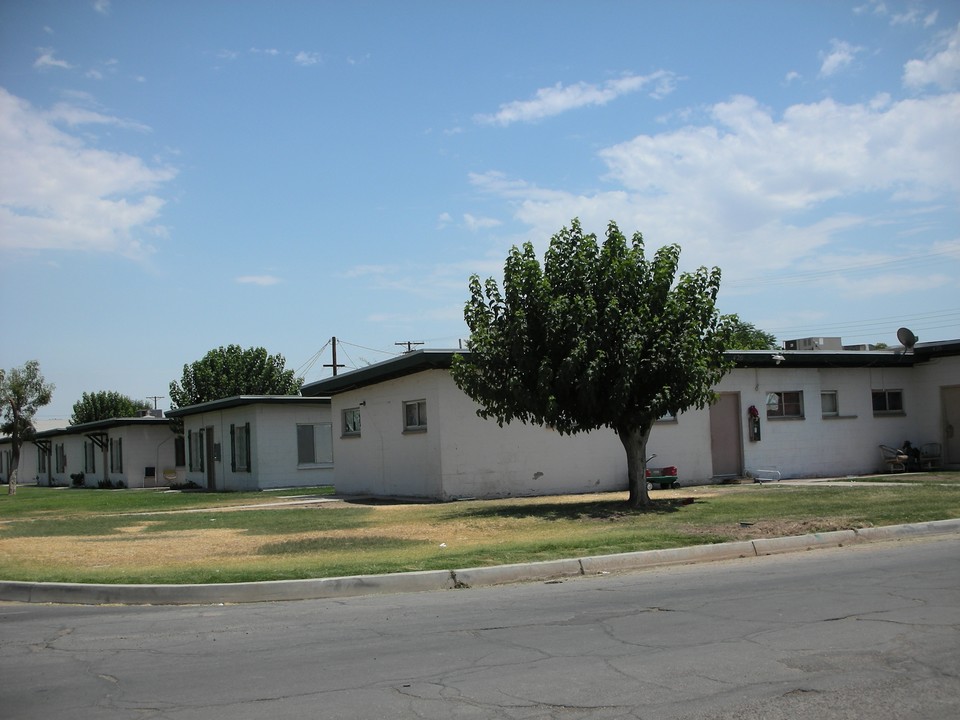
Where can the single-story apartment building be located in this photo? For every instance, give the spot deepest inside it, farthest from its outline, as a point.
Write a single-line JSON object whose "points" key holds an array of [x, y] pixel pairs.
{"points": [[403, 427], [256, 442], [134, 451]]}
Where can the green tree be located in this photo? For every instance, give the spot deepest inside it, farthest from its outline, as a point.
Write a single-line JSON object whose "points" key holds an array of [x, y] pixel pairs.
{"points": [[747, 336], [23, 390], [231, 370], [601, 336], [103, 405]]}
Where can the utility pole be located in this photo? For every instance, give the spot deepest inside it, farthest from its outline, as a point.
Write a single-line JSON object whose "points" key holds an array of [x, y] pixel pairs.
{"points": [[155, 398], [409, 344], [334, 364]]}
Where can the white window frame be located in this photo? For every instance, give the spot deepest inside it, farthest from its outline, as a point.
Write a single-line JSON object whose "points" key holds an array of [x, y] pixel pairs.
{"points": [[60, 456], [886, 394], [196, 448], [89, 456], [240, 451], [320, 447], [116, 455], [415, 416], [835, 412], [777, 410], [350, 422]]}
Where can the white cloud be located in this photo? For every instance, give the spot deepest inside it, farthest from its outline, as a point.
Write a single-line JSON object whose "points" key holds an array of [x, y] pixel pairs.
{"points": [[306, 59], [791, 77], [262, 280], [841, 55], [875, 7], [474, 223], [72, 115], [102, 6], [59, 192], [47, 60], [749, 190], [940, 68], [559, 98]]}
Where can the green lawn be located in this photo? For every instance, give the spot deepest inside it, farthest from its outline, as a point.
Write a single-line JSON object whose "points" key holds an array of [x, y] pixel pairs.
{"points": [[135, 536]]}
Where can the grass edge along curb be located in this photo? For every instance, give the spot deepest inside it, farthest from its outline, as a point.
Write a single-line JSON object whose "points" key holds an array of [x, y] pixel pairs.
{"points": [[433, 580]]}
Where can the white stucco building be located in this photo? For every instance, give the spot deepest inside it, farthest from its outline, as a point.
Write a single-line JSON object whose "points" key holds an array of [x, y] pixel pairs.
{"points": [[403, 428], [131, 451], [256, 442]]}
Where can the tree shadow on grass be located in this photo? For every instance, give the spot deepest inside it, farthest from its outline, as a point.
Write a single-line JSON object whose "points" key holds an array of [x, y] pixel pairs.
{"points": [[601, 510]]}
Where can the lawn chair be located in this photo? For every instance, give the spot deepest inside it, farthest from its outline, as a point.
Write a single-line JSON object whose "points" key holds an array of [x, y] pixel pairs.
{"points": [[894, 460]]}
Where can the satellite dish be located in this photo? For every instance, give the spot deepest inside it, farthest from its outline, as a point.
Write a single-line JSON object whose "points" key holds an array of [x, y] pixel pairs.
{"points": [[906, 338]]}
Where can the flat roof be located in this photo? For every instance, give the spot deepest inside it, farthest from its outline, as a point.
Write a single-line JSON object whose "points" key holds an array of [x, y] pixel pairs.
{"points": [[101, 425], [441, 359], [240, 400]]}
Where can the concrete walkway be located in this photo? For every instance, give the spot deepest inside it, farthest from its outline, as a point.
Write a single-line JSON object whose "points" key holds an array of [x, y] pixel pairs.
{"points": [[433, 580]]}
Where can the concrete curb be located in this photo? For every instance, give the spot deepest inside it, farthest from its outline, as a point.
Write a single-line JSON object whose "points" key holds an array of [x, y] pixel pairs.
{"points": [[433, 580]]}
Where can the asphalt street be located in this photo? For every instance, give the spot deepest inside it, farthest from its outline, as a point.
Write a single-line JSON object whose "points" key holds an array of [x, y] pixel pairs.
{"points": [[870, 631]]}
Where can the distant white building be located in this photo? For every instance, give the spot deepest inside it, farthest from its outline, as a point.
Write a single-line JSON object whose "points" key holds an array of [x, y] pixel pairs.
{"points": [[403, 428], [133, 452]]}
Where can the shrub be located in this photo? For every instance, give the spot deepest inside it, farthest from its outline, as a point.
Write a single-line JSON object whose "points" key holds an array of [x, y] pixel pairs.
{"points": [[79, 480]]}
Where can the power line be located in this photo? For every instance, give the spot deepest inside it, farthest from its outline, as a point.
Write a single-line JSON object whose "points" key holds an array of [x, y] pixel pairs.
{"points": [[924, 321], [802, 277]]}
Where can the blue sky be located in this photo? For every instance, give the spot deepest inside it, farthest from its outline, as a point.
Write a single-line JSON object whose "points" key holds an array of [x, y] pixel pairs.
{"points": [[178, 176]]}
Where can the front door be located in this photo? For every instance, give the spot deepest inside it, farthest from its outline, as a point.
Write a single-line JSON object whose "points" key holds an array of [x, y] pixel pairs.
{"points": [[211, 458], [950, 402], [726, 447]]}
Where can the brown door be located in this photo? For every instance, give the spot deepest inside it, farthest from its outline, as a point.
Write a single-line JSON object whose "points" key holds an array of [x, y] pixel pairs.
{"points": [[211, 457], [950, 402], [726, 447]]}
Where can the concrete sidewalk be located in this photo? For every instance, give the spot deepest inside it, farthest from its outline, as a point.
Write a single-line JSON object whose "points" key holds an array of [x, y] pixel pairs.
{"points": [[432, 580]]}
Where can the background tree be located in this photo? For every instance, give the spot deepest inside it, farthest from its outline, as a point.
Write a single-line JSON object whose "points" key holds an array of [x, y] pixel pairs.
{"points": [[23, 390], [231, 370], [601, 336], [746, 336], [105, 404]]}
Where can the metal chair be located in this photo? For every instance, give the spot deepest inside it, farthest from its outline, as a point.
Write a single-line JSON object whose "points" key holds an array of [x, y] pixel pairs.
{"points": [[894, 459]]}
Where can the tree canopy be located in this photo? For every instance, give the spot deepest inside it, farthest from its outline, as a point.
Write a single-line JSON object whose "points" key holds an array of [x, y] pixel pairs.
{"points": [[742, 335], [105, 404], [228, 371], [600, 336], [23, 390]]}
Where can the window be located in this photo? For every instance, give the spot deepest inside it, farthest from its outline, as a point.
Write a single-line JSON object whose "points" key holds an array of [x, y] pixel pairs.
{"points": [[116, 455], [785, 404], [195, 447], [828, 403], [42, 453], [240, 447], [179, 451], [89, 457], [415, 415], [351, 421], [315, 444], [60, 455], [887, 402]]}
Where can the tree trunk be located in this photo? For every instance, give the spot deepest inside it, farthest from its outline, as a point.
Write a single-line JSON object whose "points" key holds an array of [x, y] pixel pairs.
{"points": [[635, 444], [15, 468]]}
